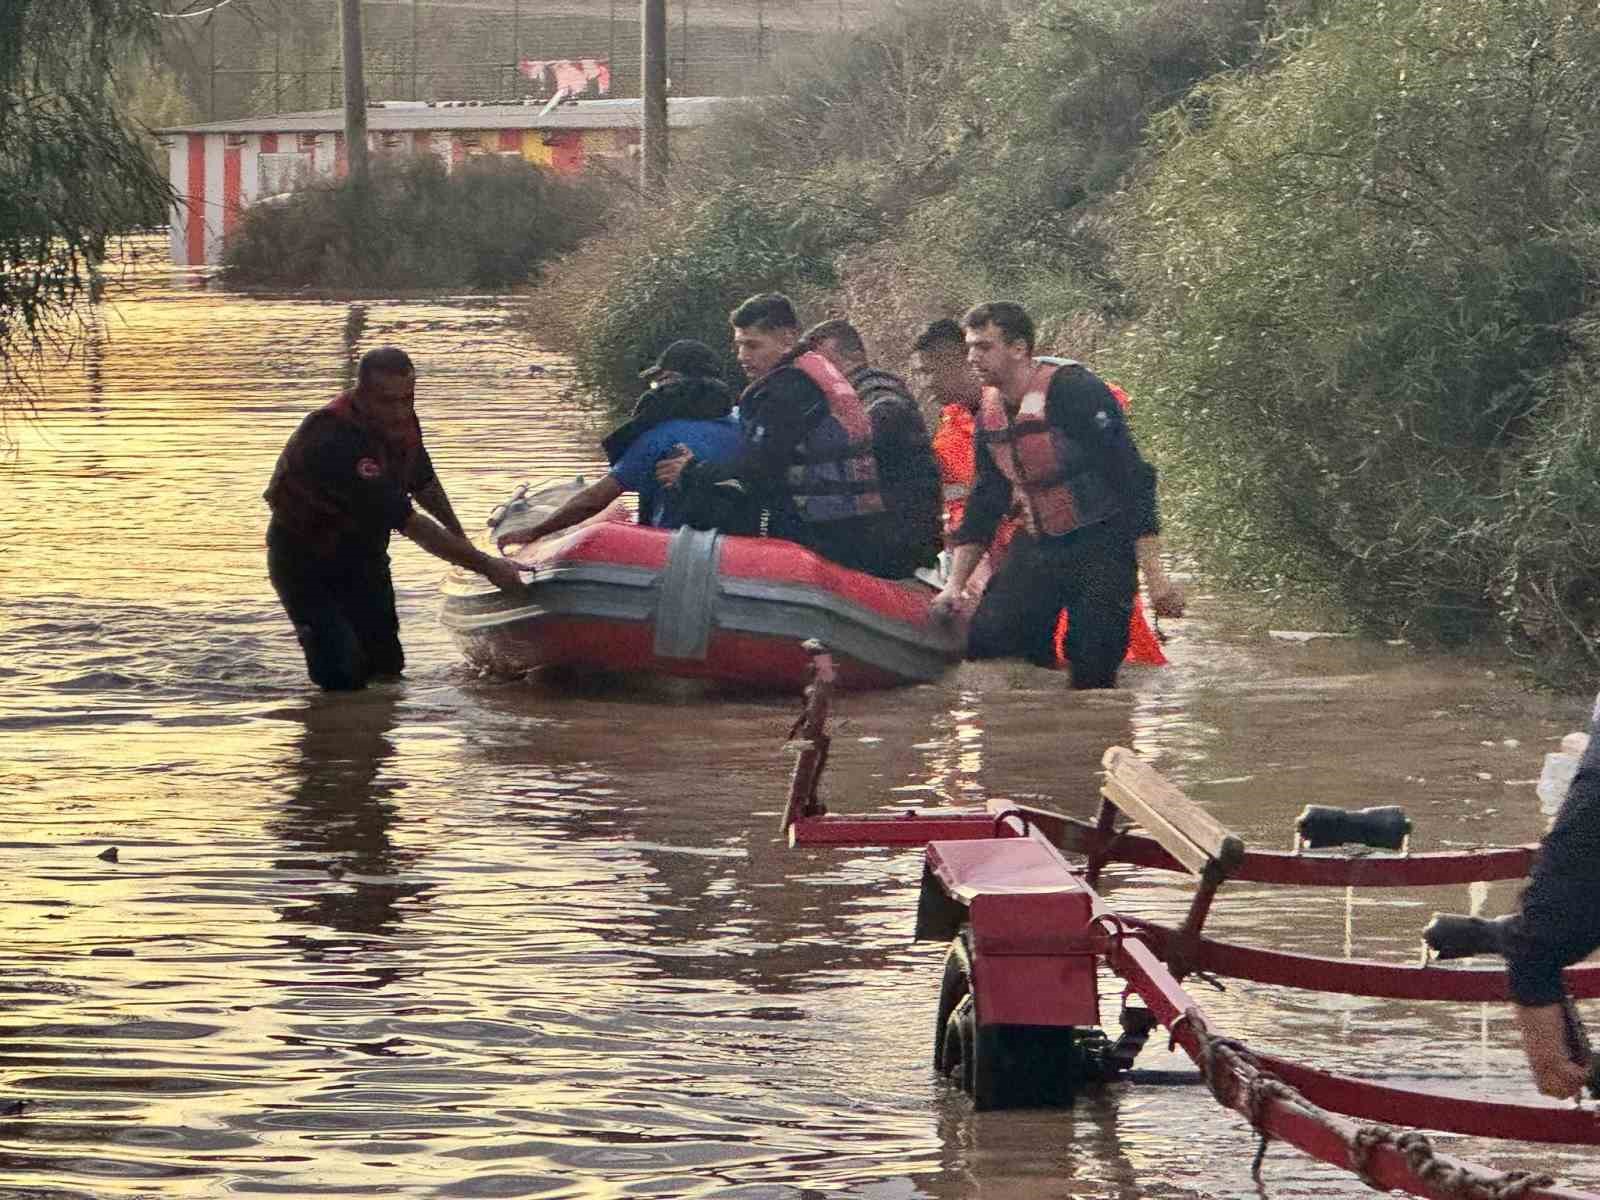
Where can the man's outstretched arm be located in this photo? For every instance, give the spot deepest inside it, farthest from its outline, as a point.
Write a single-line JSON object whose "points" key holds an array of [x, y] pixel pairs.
{"points": [[453, 548]]}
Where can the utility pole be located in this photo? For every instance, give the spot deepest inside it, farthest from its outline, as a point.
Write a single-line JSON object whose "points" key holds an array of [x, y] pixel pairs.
{"points": [[355, 93], [653, 69], [211, 30], [683, 51]]}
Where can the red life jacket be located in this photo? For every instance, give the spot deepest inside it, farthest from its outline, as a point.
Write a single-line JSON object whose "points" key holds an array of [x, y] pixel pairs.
{"points": [[305, 505], [1054, 477], [836, 472]]}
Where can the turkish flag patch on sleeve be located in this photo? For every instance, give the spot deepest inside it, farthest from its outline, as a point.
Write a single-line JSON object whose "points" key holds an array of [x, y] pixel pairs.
{"points": [[368, 468]]}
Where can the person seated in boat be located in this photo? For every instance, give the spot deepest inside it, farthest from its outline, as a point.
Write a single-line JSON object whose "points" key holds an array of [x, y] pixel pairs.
{"points": [[900, 442], [685, 404], [1558, 925], [808, 457]]}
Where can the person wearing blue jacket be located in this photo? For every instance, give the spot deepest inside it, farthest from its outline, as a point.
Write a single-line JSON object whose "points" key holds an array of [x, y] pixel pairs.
{"points": [[686, 405]]}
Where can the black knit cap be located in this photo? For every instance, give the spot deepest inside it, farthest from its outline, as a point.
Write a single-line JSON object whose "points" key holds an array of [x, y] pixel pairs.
{"points": [[687, 357]]}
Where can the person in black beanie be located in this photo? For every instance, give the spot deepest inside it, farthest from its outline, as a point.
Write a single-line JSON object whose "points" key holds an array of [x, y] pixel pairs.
{"points": [[686, 404]]}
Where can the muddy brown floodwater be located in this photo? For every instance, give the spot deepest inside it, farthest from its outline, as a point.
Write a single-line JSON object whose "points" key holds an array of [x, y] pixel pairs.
{"points": [[467, 937]]}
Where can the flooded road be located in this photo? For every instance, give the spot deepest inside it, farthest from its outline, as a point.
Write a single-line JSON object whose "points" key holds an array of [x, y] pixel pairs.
{"points": [[460, 937]]}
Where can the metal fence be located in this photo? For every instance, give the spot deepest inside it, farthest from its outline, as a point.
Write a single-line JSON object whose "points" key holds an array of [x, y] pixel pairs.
{"points": [[283, 55]]}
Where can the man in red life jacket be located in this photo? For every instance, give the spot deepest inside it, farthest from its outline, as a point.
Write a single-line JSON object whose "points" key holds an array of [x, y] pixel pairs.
{"points": [[939, 363], [808, 458], [345, 479], [1052, 437]]}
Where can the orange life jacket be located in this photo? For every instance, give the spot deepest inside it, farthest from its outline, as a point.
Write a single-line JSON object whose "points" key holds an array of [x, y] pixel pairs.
{"points": [[952, 447], [835, 472], [1056, 479], [305, 505]]}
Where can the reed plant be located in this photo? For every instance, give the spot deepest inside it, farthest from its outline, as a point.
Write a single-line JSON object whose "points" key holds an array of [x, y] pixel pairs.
{"points": [[489, 224], [1367, 326]]}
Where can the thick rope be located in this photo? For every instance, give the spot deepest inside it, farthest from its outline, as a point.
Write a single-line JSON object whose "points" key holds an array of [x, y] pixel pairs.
{"points": [[1424, 1162], [1227, 1065]]}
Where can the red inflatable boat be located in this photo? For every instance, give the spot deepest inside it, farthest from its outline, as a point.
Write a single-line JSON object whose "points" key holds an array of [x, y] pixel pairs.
{"points": [[613, 596]]}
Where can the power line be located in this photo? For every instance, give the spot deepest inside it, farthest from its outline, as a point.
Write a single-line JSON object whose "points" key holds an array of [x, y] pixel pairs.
{"points": [[193, 12]]}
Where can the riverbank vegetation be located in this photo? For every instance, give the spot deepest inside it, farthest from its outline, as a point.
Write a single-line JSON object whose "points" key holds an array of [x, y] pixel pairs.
{"points": [[1341, 253], [488, 224]]}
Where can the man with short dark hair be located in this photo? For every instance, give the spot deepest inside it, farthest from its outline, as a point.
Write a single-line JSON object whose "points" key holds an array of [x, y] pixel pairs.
{"points": [[345, 479], [1052, 437], [808, 456], [686, 405], [900, 442]]}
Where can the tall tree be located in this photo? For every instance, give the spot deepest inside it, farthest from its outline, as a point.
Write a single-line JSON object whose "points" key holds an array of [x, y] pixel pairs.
{"points": [[73, 173]]}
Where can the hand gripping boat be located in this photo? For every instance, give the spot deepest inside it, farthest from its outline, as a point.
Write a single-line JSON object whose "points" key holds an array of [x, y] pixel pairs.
{"points": [[609, 595]]}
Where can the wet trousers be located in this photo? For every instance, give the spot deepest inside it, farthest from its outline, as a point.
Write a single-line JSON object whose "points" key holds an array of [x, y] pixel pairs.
{"points": [[343, 612], [1092, 573]]}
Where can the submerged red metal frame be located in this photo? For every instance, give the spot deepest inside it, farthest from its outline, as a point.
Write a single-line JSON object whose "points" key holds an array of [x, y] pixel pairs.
{"points": [[1335, 1118], [1432, 869], [1290, 1107], [1350, 976]]}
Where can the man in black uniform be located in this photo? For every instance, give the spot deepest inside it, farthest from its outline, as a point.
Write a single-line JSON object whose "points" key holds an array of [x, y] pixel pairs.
{"points": [[906, 466], [345, 479], [808, 457], [1051, 436], [1559, 925]]}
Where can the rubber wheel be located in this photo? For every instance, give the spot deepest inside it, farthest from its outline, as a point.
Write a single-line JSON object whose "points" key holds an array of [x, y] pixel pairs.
{"points": [[999, 1066], [960, 1044]]}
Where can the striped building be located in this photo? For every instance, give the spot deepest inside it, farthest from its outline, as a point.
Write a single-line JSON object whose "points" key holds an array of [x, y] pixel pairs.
{"points": [[221, 168]]}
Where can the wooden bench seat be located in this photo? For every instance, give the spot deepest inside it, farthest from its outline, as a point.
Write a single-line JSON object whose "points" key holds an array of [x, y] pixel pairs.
{"points": [[1185, 830]]}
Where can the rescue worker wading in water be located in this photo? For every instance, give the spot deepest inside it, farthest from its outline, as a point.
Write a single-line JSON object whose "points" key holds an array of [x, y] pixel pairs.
{"points": [[939, 363], [345, 479], [1051, 435]]}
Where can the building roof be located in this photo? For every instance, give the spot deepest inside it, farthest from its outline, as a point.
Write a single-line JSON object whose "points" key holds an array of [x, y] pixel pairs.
{"points": [[682, 113]]}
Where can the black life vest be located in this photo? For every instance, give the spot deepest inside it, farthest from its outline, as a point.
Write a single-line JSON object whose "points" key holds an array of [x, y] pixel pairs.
{"points": [[835, 472], [305, 505]]}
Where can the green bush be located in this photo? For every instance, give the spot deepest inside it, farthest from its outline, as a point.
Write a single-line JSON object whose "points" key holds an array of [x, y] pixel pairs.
{"points": [[489, 224], [1362, 271]]}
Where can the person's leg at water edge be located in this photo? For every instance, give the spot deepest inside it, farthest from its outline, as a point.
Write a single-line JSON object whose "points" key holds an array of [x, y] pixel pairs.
{"points": [[1017, 616], [1100, 574], [333, 653], [369, 605]]}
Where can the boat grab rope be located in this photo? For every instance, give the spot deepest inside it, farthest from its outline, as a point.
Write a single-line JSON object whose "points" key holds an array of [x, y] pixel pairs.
{"points": [[1227, 1064]]}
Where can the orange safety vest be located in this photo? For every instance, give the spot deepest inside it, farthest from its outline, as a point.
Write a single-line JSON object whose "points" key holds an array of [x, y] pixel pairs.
{"points": [[953, 444], [835, 472], [952, 449]]}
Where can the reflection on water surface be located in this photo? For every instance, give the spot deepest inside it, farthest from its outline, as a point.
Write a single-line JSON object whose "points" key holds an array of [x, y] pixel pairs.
{"points": [[458, 937]]}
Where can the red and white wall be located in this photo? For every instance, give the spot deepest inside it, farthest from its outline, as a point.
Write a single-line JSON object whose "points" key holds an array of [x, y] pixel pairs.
{"points": [[218, 175]]}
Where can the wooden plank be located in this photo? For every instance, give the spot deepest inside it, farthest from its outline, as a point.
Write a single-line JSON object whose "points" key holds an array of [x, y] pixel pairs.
{"points": [[1185, 830]]}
